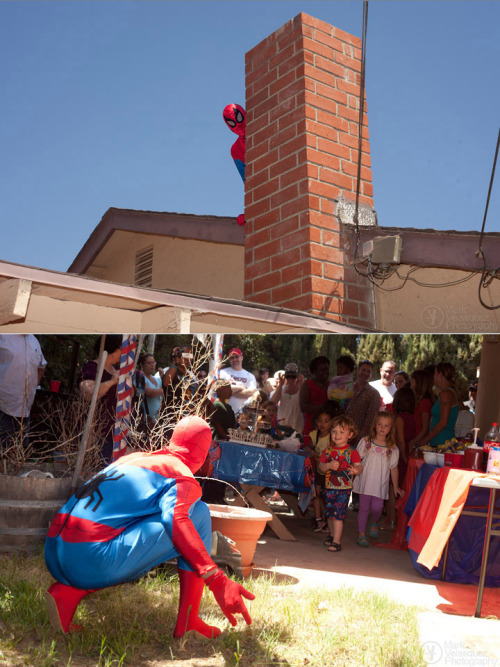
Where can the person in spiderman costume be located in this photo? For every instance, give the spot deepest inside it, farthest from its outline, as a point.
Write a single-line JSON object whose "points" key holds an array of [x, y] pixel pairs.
{"points": [[234, 117], [140, 511]]}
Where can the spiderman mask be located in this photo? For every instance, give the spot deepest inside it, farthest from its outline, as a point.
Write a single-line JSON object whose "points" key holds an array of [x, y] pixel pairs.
{"points": [[234, 117]]}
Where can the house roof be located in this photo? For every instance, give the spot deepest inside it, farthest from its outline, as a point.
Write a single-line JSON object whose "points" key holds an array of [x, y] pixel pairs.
{"points": [[422, 247], [45, 301], [217, 229]]}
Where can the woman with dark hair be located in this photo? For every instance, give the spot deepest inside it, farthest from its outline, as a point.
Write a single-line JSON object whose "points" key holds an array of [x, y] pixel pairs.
{"points": [[444, 412], [421, 383], [403, 408], [401, 379], [314, 392], [107, 391]]}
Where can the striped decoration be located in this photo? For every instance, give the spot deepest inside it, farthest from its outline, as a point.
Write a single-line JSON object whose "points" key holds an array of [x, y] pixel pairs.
{"points": [[124, 396]]}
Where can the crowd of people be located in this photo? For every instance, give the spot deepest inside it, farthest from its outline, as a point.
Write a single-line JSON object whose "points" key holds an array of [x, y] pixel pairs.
{"points": [[360, 433]]}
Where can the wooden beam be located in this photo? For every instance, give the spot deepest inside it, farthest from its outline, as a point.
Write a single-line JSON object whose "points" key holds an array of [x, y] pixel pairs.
{"points": [[14, 299]]}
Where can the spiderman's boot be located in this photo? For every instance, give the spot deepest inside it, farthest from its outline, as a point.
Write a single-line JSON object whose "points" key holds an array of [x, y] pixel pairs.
{"points": [[191, 590], [62, 602]]}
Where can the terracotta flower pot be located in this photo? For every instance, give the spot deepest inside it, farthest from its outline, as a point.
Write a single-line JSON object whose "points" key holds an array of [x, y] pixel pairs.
{"points": [[244, 526]]}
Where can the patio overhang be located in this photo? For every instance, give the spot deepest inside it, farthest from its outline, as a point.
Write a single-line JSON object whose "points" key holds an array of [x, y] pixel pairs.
{"points": [[35, 299]]}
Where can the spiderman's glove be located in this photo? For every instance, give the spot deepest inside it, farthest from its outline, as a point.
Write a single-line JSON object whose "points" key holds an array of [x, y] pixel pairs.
{"points": [[240, 219], [228, 595]]}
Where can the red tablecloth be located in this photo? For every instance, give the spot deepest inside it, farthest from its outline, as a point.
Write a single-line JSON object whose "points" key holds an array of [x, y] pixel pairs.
{"points": [[437, 512], [398, 540]]}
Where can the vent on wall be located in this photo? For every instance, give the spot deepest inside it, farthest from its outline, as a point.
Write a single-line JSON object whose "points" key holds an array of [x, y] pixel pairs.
{"points": [[144, 267]]}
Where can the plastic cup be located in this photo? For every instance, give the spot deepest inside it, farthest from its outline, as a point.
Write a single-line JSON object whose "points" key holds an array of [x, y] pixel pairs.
{"points": [[55, 386]]}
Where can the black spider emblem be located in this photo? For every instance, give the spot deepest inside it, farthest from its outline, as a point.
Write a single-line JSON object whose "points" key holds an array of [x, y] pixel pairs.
{"points": [[90, 488]]}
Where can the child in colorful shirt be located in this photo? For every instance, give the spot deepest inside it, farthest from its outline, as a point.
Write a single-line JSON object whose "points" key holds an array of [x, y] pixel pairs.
{"points": [[339, 462]]}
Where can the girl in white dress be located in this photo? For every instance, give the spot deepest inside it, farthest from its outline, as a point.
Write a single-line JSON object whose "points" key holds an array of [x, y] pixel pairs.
{"points": [[379, 457]]}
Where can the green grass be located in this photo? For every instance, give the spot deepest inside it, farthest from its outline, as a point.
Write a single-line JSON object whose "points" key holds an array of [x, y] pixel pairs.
{"points": [[132, 624]]}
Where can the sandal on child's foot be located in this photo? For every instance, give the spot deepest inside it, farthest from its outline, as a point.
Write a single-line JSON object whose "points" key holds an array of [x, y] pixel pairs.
{"points": [[329, 541], [362, 541], [373, 532], [334, 546]]}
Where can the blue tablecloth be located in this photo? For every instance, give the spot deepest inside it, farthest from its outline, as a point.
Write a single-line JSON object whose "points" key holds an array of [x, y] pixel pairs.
{"points": [[274, 468], [466, 541]]}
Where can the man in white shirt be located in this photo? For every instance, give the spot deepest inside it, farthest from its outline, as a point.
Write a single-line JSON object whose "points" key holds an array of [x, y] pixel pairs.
{"points": [[22, 365], [385, 386], [243, 383]]}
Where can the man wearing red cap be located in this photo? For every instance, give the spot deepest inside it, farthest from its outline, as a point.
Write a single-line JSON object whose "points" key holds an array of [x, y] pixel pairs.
{"points": [[243, 383], [141, 511]]}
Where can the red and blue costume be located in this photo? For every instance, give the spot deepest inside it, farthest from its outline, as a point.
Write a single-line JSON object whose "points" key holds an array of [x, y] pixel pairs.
{"points": [[141, 511], [234, 117]]}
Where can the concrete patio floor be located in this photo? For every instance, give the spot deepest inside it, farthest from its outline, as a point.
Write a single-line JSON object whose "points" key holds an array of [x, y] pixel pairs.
{"points": [[448, 637]]}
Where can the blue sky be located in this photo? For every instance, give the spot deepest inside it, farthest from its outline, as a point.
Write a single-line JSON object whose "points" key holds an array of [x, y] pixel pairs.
{"points": [[119, 103]]}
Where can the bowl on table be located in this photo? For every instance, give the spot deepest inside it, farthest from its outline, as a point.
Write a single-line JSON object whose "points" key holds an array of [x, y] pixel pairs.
{"points": [[430, 458], [439, 459]]}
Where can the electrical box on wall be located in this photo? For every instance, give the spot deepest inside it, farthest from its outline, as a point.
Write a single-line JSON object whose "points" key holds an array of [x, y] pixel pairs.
{"points": [[383, 249]]}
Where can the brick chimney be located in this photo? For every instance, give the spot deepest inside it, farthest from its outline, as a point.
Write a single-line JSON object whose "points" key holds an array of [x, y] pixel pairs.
{"points": [[302, 103]]}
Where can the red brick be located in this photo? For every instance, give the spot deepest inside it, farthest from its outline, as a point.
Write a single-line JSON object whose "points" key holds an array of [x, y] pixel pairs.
{"points": [[294, 206], [321, 130], [257, 152], [289, 291], [255, 180], [280, 138], [328, 40], [332, 148], [255, 99], [254, 269], [265, 134], [290, 36], [296, 145], [330, 66], [316, 47], [286, 226], [346, 37], [333, 271], [292, 90], [316, 268], [351, 63], [318, 24], [296, 271], [331, 93], [291, 117], [263, 298], [325, 253], [332, 120], [255, 210], [349, 308], [352, 169], [304, 171], [267, 282], [282, 196], [254, 74], [321, 102], [263, 161], [264, 54], [283, 55], [267, 250], [351, 88], [325, 189], [280, 111], [328, 174], [262, 82], [366, 160], [331, 238], [367, 189], [328, 207], [266, 106], [282, 82], [281, 166], [284, 259], [266, 190], [260, 236], [350, 114]]}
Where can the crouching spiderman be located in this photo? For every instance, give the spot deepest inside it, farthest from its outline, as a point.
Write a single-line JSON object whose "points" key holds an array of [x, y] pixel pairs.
{"points": [[141, 511]]}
